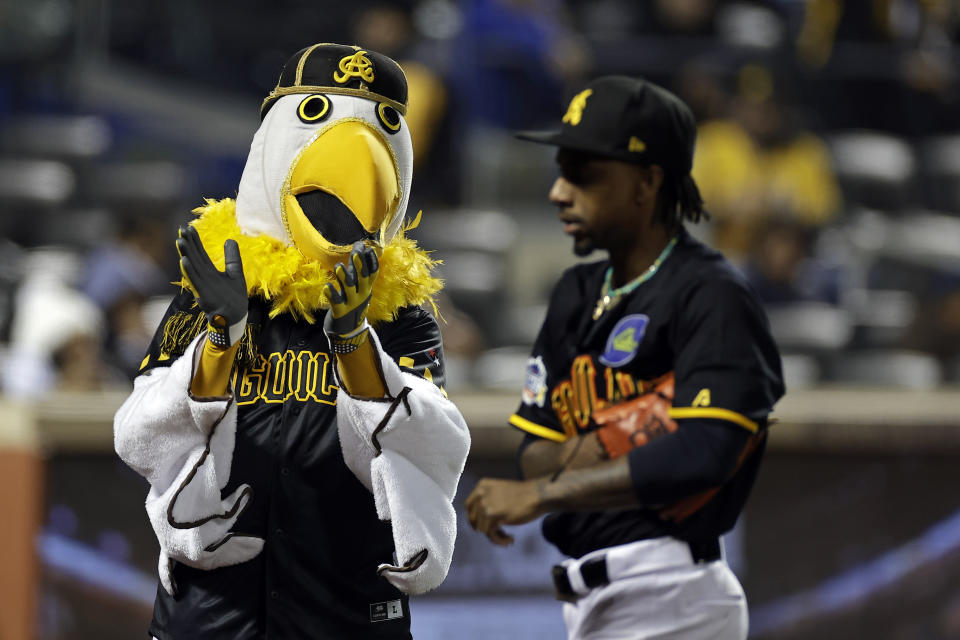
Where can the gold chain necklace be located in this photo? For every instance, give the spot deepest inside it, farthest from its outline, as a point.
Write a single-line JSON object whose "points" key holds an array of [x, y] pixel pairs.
{"points": [[610, 297]]}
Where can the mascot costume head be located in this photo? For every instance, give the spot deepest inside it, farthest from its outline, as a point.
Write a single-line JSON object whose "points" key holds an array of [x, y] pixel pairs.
{"points": [[330, 165]]}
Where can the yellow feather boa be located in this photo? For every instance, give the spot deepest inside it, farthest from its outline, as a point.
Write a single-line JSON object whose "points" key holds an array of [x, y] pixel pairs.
{"points": [[293, 284]]}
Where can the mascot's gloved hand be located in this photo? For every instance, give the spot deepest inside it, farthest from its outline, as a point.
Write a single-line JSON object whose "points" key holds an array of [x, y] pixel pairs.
{"points": [[347, 328], [350, 295], [222, 295]]}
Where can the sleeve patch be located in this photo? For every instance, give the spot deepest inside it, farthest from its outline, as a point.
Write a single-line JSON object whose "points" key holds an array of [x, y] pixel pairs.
{"points": [[535, 382], [408, 363]]}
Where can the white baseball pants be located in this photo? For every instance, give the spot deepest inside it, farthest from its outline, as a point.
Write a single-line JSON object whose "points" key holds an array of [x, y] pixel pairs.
{"points": [[657, 592]]}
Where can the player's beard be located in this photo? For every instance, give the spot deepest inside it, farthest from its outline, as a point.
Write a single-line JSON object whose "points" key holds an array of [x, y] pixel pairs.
{"points": [[583, 245]]}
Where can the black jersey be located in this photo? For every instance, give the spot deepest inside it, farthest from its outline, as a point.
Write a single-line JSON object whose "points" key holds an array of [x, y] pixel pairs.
{"points": [[316, 575], [697, 318]]}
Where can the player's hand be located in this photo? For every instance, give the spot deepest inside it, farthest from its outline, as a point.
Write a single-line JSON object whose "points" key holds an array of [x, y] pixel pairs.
{"points": [[350, 295], [222, 295], [494, 502]]}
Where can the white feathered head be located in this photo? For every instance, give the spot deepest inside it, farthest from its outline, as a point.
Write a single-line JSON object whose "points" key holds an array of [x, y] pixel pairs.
{"points": [[332, 160]]}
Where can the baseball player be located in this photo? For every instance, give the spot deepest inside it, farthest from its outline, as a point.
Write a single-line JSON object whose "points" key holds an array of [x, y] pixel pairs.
{"points": [[289, 415], [647, 393]]}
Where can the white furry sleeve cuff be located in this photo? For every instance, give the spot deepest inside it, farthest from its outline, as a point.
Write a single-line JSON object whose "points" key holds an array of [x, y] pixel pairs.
{"points": [[409, 450], [183, 446]]}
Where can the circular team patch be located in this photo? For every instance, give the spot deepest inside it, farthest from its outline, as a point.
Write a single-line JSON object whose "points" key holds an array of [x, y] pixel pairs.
{"points": [[624, 340]]}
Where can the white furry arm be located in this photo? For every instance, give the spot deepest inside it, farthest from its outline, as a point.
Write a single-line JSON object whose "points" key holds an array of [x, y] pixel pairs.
{"points": [[409, 449], [183, 446], [160, 423]]}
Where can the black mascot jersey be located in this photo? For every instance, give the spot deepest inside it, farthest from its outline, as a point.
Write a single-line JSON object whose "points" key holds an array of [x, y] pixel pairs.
{"points": [[696, 318], [316, 576]]}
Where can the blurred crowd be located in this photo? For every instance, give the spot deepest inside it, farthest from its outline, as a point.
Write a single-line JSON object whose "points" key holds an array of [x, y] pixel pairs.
{"points": [[828, 156]]}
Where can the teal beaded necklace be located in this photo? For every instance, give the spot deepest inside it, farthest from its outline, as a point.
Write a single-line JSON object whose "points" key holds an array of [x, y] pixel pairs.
{"points": [[609, 296]]}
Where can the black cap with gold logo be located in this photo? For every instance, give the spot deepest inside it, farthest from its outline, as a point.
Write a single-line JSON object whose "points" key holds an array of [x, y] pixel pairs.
{"points": [[627, 119], [341, 70]]}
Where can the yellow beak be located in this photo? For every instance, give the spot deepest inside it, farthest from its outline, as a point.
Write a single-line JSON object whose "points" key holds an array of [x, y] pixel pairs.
{"points": [[342, 188]]}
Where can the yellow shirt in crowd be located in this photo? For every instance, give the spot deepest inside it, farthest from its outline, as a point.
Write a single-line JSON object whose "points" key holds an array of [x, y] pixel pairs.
{"points": [[743, 184]]}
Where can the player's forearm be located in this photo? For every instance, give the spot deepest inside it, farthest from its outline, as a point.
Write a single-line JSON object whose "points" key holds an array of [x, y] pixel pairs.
{"points": [[606, 485], [544, 458], [541, 458]]}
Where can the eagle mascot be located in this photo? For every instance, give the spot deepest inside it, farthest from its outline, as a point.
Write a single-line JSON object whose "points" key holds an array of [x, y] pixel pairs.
{"points": [[290, 415]]}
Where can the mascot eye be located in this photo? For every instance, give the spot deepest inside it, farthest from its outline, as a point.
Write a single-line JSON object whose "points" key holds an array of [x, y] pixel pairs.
{"points": [[389, 118], [314, 108]]}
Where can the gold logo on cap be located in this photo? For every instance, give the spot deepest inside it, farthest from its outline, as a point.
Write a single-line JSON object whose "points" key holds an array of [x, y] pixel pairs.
{"points": [[575, 111], [636, 144], [357, 65]]}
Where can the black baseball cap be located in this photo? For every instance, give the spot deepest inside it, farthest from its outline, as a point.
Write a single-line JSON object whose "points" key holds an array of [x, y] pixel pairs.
{"points": [[626, 119], [344, 70]]}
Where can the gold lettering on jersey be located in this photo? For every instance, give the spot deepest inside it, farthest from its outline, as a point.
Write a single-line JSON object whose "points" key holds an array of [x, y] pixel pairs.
{"points": [[564, 406], [702, 399], [252, 380], [628, 386], [575, 400], [304, 376], [584, 380], [613, 393], [575, 111], [277, 388], [357, 65]]}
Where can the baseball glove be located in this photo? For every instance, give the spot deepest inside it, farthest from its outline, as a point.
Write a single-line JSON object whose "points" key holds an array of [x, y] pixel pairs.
{"points": [[636, 422]]}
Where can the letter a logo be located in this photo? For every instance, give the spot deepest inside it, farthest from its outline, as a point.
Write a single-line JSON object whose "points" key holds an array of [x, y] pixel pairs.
{"points": [[357, 65], [575, 111]]}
